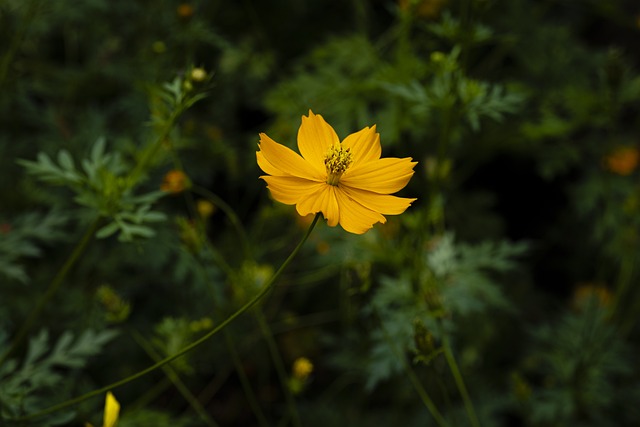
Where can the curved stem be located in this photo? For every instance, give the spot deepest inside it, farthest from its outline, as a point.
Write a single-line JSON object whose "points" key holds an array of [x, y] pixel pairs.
{"points": [[18, 37], [244, 381], [228, 210], [51, 290], [267, 287], [279, 364], [175, 379], [451, 361], [424, 396]]}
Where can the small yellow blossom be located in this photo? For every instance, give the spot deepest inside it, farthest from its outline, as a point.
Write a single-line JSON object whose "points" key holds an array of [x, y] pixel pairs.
{"points": [[302, 368], [623, 160], [198, 75], [175, 181], [111, 411], [205, 208], [159, 47], [347, 181], [201, 325]]}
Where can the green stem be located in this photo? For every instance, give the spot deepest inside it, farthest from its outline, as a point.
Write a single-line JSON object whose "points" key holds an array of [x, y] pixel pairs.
{"points": [[51, 290], [18, 36], [424, 396], [175, 379], [451, 361], [150, 151], [149, 396], [235, 356], [228, 210], [624, 280], [267, 287], [625, 306], [244, 381], [279, 365]]}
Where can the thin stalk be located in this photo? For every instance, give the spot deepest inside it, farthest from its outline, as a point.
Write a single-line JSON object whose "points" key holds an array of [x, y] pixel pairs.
{"points": [[244, 381], [231, 346], [51, 290], [625, 306], [279, 365], [175, 379], [220, 261], [451, 361], [149, 395], [622, 285], [18, 36], [230, 213], [424, 396], [265, 290]]}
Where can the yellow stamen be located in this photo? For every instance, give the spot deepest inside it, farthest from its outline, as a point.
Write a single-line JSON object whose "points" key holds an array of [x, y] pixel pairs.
{"points": [[336, 161]]}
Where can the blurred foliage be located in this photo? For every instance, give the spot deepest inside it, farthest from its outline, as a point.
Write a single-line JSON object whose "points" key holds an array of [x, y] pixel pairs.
{"points": [[130, 201]]}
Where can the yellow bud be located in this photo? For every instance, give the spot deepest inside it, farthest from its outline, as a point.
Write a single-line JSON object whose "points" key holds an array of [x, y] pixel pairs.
{"points": [[198, 75], [302, 368]]}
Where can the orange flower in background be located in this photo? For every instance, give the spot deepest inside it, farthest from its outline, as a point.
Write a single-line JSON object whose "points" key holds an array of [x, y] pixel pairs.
{"points": [[185, 10], [425, 8], [623, 160], [174, 182], [347, 181], [585, 292]]}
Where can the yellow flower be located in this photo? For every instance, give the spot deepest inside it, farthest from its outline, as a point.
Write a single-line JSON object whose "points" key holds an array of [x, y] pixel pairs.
{"points": [[198, 75], [302, 368], [111, 411], [347, 181], [205, 208]]}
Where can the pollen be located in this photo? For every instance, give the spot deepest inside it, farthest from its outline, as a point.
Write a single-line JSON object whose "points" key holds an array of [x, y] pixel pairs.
{"points": [[337, 160]]}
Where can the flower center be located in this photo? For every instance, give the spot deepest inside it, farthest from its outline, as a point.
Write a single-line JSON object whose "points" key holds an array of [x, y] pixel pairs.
{"points": [[337, 160]]}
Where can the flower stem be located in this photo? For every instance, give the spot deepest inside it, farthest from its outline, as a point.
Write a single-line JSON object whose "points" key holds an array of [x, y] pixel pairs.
{"points": [[244, 381], [51, 290], [235, 221], [279, 365], [424, 396], [175, 379], [265, 290], [451, 361], [18, 36]]}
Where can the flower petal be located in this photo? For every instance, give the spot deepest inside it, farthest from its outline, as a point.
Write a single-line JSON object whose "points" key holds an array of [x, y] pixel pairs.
{"points": [[382, 176], [354, 217], [364, 145], [381, 203], [289, 189], [111, 410], [323, 200], [284, 159], [315, 136], [268, 167]]}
